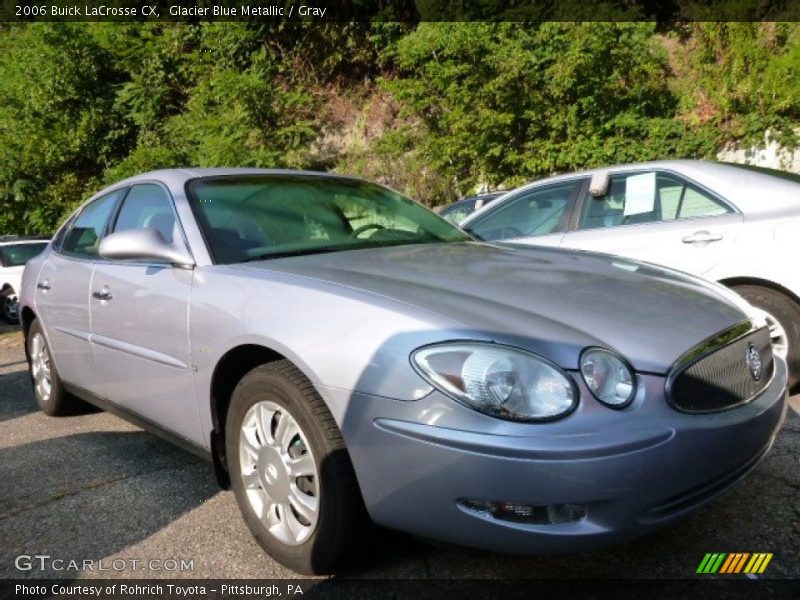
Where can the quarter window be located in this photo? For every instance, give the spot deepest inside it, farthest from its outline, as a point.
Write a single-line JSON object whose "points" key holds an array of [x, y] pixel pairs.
{"points": [[89, 227], [535, 212], [147, 206], [637, 198]]}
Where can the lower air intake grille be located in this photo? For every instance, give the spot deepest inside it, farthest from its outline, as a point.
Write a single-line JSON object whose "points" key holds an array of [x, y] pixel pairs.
{"points": [[722, 374]]}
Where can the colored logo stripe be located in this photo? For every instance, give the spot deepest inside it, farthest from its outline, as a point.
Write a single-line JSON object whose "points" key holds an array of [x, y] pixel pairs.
{"points": [[711, 563], [721, 562], [735, 562], [759, 562]]}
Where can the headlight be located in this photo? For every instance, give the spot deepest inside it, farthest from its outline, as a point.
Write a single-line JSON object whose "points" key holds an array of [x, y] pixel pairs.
{"points": [[608, 377], [498, 380]]}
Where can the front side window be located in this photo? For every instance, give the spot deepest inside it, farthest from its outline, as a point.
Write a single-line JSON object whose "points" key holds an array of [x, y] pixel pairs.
{"points": [[16, 255], [255, 217], [87, 230], [535, 212], [147, 205], [637, 198]]}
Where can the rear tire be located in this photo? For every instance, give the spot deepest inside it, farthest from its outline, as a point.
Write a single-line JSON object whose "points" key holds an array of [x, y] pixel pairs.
{"points": [[278, 427], [48, 389], [783, 312]]}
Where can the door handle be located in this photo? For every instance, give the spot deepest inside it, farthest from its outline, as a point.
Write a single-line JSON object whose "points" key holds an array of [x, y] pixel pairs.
{"points": [[702, 237], [43, 285], [103, 294]]}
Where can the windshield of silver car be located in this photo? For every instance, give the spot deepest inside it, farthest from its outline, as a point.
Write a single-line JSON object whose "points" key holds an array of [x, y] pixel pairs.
{"points": [[258, 217], [16, 255]]}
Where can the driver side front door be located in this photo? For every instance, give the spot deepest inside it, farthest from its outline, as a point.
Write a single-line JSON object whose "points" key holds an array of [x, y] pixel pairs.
{"points": [[140, 320]]}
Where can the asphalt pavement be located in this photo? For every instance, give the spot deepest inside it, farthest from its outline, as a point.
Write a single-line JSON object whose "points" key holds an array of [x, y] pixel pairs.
{"points": [[95, 488]]}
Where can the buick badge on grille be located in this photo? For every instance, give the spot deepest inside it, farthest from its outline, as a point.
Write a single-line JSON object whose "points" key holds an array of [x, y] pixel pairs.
{"points": [[754, 362]]}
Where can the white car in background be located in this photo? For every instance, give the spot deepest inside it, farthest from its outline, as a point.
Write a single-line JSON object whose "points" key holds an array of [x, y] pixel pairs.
{"points": [[734, 224], [14, 253]]}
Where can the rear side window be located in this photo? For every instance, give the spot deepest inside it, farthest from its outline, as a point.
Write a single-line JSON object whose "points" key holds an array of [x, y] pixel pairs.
{"points": [[85, 234], [697, 204], [147, 206]]}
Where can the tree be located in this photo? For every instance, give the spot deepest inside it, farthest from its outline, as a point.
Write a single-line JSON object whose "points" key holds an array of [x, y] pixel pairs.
{"points": [[59, 127]]}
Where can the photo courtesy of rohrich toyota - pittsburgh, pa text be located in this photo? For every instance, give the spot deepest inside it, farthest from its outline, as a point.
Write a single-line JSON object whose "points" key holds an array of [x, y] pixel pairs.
{"points": [[399, 299]]}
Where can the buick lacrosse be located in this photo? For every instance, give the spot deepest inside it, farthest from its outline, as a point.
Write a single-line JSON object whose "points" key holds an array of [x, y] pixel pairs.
{"points": [[344, 357]]}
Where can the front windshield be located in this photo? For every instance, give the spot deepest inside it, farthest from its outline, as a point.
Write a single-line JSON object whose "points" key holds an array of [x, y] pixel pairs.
{"points": [[16, 255], [255, 217]]}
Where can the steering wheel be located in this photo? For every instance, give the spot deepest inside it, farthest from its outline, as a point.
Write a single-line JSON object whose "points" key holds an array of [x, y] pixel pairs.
{"points": [[367, 227]]}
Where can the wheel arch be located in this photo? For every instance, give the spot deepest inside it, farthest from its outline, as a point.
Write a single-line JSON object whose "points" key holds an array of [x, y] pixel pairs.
{"points": [[732, 282], [234, 364], [26, 319]]}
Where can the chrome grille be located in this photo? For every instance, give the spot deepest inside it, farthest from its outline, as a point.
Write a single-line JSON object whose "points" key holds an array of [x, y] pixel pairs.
{"points": [[717, 375]]}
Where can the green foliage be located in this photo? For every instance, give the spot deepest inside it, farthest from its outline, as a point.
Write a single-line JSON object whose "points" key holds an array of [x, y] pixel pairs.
{"points": [[58, 123], [433, 109], [506, 102], [744, 77]]}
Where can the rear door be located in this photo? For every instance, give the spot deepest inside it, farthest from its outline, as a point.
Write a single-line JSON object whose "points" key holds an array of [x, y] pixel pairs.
{"points": [[140, 319], [659, 217], [62, 291], [532, 216]]}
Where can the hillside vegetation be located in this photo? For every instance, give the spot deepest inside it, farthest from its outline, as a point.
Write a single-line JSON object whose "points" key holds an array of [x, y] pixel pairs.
{"points": [[432, 109]]}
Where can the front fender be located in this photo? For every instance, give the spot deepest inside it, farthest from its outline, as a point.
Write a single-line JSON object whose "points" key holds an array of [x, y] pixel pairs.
{"points": [[339, 338]]}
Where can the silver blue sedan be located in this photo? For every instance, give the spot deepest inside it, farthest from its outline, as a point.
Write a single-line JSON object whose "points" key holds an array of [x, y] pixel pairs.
{"points": [[345, 357]]}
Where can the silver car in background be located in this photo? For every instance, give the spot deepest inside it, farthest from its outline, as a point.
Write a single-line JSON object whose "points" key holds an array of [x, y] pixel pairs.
{"points": [[734, 224], [344, 356]]}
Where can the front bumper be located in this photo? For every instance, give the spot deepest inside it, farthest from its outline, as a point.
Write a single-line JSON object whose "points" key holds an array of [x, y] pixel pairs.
{"points": [[633, 470]]}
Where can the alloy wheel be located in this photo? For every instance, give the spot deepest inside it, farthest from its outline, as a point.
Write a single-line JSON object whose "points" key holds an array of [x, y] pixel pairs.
{"points": [[777, 334], [40, 367]]}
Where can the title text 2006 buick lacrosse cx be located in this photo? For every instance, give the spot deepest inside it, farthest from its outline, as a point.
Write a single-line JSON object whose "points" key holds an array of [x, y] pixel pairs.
{"points": [[343, 354]]}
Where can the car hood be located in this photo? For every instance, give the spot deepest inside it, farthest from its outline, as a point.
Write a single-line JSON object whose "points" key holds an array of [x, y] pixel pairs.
{"points": [[550, 301]]}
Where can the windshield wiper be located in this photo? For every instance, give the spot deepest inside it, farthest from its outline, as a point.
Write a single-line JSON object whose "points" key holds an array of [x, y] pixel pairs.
{"points": [[298, 252], [342, 248]]}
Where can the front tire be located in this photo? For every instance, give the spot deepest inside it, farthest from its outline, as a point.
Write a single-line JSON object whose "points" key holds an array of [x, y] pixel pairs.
{"points": [[48, 389], [783, 318], [290, 471]]}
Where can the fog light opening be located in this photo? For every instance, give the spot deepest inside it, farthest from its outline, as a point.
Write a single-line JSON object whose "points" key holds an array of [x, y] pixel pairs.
{"points": [[533, 514]]}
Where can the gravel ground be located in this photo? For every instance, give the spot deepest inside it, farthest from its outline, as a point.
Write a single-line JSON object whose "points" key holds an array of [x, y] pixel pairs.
{"points": [[95, 487]]}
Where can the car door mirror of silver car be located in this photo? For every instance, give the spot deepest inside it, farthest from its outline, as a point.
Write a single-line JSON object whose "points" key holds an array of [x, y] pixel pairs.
{"points": [[144, 244], [598, 186]]}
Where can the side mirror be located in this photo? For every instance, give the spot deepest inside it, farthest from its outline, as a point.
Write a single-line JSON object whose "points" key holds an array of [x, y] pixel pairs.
{"points": [[144, 244], [598, 186]]}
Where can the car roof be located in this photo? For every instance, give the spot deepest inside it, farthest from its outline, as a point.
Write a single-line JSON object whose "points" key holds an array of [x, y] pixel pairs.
{"points": [[735, 183], [7, 240], [182, 175], [175, 179]]}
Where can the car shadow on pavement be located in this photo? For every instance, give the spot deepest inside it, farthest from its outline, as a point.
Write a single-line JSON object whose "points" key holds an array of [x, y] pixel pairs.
{"points": [[89, 495], [16, 396]]}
